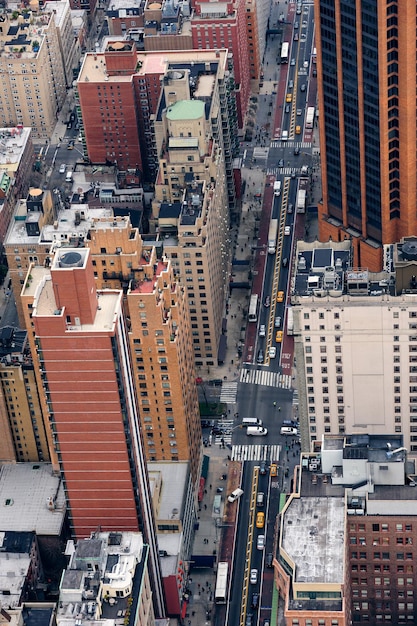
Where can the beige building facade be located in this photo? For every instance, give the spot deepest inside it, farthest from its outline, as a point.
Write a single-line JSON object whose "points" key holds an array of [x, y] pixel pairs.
{"points": [[32, 72], [190, 207], [355, 339]]}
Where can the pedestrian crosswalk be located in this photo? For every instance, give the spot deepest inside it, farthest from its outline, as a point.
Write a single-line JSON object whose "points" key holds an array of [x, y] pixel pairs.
{"points": [[282, 171], [266, 378], [228, 392], [255, 453], [303, 145]]}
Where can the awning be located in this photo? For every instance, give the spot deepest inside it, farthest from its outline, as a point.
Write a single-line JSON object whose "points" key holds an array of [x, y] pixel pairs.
{"points": [[205, 466], [221, 354], [201, 489], [183, 609]]}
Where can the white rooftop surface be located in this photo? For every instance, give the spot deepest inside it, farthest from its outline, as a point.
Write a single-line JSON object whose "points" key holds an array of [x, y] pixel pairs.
{"points": [[13, 571], [60, 9], [12, 144], [65, 224], [172, 543], [313, 537], [118, 5], [174, 477], [29, 489], [45, 304]]}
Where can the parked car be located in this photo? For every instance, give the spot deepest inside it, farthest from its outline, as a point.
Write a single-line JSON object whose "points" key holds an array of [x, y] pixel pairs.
{"points": [[260, 542], [287, 230], [262, 330], [253, 576], [269, 559], [255, 600], [277, 322]]}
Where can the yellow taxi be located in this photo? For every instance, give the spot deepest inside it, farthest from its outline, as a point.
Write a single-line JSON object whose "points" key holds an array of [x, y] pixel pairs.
{"points": [[278, 336], [280, 296], [298, 130], [260, 519], [273, 470], [289, 97]]}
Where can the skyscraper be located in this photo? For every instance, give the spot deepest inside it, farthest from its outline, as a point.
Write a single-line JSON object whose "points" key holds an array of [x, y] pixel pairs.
{"points": [[367, 103], [80, 343]]}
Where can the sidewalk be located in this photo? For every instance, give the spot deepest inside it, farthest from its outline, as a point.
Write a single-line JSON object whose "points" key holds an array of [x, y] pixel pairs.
{"points": [[202, 581]]}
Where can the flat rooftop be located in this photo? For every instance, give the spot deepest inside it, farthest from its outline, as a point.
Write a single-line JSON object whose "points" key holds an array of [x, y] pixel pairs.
{"points": [[174, 483], [12, 145], [313, 537], [27, 488], [159, 62], [75, 220]]}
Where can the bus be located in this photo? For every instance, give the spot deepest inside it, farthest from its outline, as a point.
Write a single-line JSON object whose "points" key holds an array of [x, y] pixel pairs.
{"points": [[253, 308], [272, 236], [311, 112], [303, 187], [290, 321], [220, 595], [285, 48]]}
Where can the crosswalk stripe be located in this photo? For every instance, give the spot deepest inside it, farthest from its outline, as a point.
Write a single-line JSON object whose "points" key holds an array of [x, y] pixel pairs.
{"points": [[228, 392], [265, 378], [290, 144], [259, 452]]}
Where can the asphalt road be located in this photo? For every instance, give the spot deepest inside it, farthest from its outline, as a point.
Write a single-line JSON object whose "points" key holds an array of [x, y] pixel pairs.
{"points": [[255, 400]]}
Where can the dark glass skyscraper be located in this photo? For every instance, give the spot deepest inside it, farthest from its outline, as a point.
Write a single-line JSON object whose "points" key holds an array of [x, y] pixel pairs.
{"points": [[367, 103]]}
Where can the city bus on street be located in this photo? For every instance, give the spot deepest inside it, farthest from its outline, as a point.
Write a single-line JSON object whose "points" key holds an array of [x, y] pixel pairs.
{"points": [[253, 308], [220, 595], [285, 49], [311, 111]]}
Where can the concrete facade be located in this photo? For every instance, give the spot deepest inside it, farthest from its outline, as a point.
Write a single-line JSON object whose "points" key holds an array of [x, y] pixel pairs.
{"points": [[190, 206], [32, 69], [355, 343]]}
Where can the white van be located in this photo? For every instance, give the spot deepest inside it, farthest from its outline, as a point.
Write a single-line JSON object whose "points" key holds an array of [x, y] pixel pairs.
{"points": [[68, 177], [284, 135], [277, 187], [260, 499], [253, 431], [251, 421], [288, 430], [235, 495]]}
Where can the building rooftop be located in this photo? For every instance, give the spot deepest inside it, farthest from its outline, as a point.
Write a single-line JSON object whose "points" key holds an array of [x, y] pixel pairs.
{"points": [[100, 570], [14, 569], [24, 36], [32, 498], [320, 267], [39, 284], [185, 110], [313, 537], [159, 62], [175, 478], [13, 142]]}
